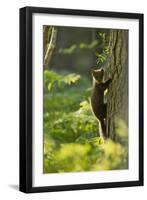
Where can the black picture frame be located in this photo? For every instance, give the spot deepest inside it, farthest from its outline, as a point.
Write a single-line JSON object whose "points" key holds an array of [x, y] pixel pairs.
{"points": [[26, 96]]}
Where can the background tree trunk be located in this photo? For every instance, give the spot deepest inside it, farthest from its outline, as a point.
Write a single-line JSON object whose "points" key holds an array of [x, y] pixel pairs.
{"points": [[116, 68], [49, 44]]}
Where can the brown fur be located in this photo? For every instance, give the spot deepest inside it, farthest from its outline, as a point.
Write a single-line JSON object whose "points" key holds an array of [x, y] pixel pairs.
{"points": [[97, 99]]}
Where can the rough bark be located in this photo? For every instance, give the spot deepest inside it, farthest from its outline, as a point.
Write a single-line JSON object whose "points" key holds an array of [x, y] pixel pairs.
{"points": [[116, 68]]}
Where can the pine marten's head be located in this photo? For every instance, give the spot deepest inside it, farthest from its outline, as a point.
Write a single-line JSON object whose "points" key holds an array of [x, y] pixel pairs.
{"points": [[98, 75]]}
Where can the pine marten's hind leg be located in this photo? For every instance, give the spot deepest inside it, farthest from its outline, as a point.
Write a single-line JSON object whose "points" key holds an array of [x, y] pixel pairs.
{"points": [[102, 122], [103, 127]]}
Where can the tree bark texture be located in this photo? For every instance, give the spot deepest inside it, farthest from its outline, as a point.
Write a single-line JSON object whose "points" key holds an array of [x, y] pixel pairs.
{"points": [[116, 67]]}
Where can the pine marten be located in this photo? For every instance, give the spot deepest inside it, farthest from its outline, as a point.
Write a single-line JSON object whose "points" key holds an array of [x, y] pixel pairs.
{"points": [[99, 108]]}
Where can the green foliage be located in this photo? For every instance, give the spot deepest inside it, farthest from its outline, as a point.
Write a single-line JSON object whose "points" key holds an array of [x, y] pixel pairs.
{"points": [[92, 155], [52, 79], [101, 57], [69, 126], [71, 141], [92, 45], [105, 48], [69, 50], [73, 48]]}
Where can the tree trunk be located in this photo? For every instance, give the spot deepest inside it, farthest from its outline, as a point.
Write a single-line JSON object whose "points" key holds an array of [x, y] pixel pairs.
{"points": [[116, 67], [49, 44]]}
